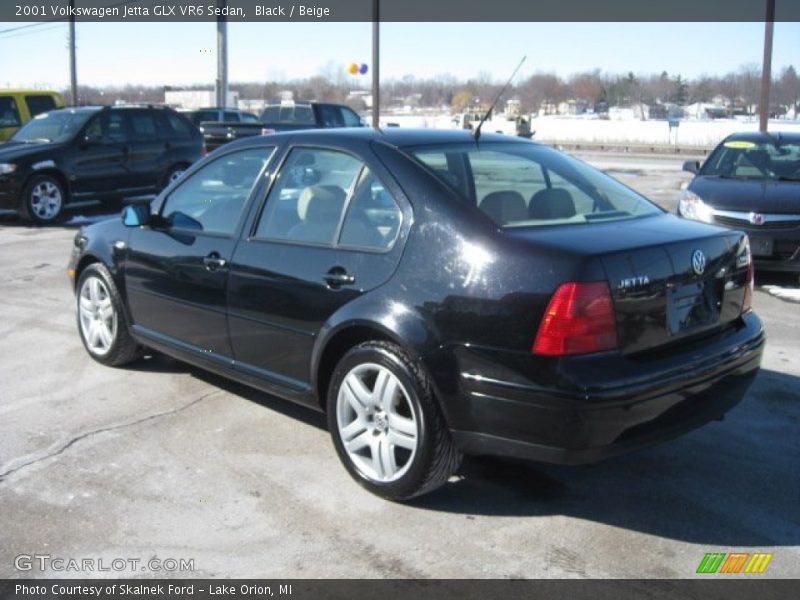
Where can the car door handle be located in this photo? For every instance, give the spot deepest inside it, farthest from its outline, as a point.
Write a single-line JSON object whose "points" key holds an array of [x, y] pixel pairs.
{"points": [[214, 262], [338, 277]]}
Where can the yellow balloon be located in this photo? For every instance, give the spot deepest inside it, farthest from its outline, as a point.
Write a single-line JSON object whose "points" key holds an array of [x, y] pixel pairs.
{"points": [[352, 68]]}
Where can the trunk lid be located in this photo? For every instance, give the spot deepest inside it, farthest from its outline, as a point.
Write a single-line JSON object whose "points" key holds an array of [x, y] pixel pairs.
{"points": [[669, 278]]}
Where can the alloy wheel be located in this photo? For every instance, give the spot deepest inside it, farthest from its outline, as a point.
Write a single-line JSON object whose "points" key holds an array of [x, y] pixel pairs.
{"points": [[46, 200], [97, 316], [377, 423]]}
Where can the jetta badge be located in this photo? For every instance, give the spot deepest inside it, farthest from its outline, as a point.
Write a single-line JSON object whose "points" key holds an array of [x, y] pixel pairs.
{"points": [[698, 262], [632, 282], [756, 218]]}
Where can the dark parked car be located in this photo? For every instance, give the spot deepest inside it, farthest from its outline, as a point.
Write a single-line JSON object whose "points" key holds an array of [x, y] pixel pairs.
{"points": [[433, 295], [198, 116], [65, 158], [292, 116], [751, 182]]}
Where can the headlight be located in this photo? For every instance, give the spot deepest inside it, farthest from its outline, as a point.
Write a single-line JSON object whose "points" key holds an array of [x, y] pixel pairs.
{"points": [[692, 206], [6, 168]]}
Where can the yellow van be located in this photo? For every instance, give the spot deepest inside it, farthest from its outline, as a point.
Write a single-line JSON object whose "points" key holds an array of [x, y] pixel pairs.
{"points": [[17, 107]]}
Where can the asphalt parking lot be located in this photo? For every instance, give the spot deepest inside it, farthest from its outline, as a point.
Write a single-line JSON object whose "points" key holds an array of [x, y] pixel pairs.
{"points": [[163, 460]]}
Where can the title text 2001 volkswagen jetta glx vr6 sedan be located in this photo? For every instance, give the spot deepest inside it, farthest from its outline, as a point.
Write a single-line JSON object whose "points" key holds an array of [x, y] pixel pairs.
{"points": [[434, 295]]}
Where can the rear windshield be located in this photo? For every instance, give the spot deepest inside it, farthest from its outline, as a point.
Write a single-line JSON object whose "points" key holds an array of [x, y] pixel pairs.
{"points": [[742, 159], [527, 185], [57, 126], [291, 113]]}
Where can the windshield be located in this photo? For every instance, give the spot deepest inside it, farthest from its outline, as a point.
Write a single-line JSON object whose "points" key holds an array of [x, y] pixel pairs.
{"points": [[742, 159], [58, 126], [527, 185]]}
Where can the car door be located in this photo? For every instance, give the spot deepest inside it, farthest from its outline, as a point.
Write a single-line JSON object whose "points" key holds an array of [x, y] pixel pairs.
{"points": [[312, 250], [176, 271], [147, 149], [100, 163]]}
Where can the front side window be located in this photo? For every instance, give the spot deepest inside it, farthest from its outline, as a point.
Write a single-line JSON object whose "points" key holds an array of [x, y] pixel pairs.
{"points": [[212, 199], [248, 118], [9, 116], [527, 185], [350, 118]]}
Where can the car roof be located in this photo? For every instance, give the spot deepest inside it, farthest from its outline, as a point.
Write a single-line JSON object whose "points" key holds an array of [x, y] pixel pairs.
{"points": [[396, 136], [770, 136]]}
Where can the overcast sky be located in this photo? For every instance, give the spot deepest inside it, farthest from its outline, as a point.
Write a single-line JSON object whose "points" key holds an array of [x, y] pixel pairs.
{"points": [[185, 53]]}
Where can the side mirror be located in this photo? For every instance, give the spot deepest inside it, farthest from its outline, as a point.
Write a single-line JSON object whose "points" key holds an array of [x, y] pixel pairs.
{"points": [[692, 166], [136, 215]]}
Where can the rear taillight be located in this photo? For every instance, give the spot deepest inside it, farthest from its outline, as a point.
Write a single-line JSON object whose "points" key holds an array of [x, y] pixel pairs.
{"points": [[267, 131], [579, 319]]}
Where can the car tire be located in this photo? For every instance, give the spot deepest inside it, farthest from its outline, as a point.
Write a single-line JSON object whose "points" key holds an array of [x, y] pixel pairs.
{"points": [[101, 318], [386, 424], [173, 174], [43, 200]]}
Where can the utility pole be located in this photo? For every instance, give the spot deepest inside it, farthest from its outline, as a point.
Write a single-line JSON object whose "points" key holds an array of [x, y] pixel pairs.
{"points": [[222, 56], [766, 71], [376, 71], [73, 61]]}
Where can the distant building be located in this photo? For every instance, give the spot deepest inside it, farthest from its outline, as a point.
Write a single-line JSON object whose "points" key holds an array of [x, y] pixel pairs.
{"points": [[196, 98]]}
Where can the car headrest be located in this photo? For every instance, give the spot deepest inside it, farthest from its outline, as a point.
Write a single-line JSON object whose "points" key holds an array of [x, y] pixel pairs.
{"points": [[504, 207], [552, 203], [320, 203]]}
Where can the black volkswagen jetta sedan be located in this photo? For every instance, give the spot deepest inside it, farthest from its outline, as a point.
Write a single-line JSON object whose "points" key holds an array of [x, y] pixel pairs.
{"points": [[751, 182], [73, 156], [433, 295]]}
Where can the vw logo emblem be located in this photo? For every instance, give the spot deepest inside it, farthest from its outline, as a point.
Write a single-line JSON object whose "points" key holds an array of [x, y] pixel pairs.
{"points": [[756, 218], [698, 262]]}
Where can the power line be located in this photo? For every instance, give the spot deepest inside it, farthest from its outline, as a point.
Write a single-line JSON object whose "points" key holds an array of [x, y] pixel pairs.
{"points": [[24, 33], [60, 19]]}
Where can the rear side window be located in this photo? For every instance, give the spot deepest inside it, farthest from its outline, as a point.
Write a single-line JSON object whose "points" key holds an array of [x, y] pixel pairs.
{"points": [[527, 185], [9, 116], [143, 125], [330, 116], [290, 113], [350, 118], [309, 198], [39, 103], [178, 125], [212, 199], [373, 217]]}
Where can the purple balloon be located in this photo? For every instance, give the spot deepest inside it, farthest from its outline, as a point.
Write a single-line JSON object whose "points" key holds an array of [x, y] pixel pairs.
{"points": [[363, 68]]}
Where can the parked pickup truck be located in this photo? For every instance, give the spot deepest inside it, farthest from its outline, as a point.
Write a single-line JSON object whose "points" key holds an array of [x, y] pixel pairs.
{"points": [[286, 116]]}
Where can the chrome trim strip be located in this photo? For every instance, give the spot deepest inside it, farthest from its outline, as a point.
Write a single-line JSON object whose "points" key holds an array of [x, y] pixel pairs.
{"points": [[745, 216]]}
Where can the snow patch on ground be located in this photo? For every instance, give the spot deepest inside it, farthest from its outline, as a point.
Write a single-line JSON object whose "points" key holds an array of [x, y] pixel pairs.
{"points": [[784, 293]]}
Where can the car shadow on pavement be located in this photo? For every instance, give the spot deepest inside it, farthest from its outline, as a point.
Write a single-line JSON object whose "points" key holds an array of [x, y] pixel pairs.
{"points": [[730, 483]]}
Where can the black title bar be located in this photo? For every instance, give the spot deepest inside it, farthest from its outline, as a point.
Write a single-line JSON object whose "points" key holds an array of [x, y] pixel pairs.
{"points": [[396, 10]]}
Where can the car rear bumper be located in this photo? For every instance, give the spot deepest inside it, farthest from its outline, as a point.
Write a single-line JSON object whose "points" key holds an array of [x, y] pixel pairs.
{"points": [[584, 409]]}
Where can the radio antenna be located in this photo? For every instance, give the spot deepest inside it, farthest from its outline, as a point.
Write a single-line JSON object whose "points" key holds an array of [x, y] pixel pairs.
{"points": [[477, 133]]}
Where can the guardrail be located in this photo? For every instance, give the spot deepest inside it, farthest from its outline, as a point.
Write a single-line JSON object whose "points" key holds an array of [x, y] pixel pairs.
{"points": [[621, 147]]}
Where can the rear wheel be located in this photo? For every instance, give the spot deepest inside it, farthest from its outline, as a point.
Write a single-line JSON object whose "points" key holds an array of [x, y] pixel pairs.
{"points": [[386, 424], [43, 200], [101, 319]]}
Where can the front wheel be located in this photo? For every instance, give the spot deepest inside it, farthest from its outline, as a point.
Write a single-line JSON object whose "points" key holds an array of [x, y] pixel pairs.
{"points": [[43, 200], [101, 319], [386, 425], [173, 175]]}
